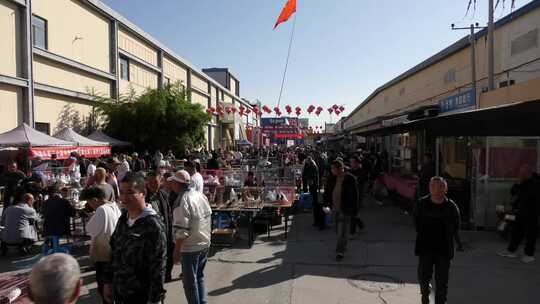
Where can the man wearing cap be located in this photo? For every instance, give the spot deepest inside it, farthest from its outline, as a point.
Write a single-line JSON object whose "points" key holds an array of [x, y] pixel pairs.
{"points": [[192, 230]]}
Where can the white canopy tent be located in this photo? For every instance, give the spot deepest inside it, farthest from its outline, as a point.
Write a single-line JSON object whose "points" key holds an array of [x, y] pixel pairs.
{"points": [[113, 142], [26, 136], [69, 135]]}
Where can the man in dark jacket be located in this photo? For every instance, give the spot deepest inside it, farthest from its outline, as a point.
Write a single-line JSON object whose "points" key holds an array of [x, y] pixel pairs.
{"points": [[11, 179], [437, 223], [139, 164], [341, 193], [158, 198], [310, 182], [427, 171], [361, 176], [57, 212], [527, 203], [138, 247]]}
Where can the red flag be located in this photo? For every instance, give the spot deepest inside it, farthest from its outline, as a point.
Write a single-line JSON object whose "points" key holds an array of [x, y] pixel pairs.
{"points": [[287, 12]]}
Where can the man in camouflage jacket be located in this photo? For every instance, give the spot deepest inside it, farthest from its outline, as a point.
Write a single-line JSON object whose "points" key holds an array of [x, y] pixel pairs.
{"points": [[138, 247]]}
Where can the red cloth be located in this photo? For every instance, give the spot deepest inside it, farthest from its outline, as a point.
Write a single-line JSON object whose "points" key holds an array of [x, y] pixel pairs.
{"points": [[402, 185], [287, 12], [10, 282]]}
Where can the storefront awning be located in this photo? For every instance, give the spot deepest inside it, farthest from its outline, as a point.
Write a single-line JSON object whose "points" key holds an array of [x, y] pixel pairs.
{"points": [[516, 119]]}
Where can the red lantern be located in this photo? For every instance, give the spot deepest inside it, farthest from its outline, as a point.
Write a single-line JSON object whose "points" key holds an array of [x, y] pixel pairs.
{"points": [[330, 110], [310, 109], [337, 112], [288, 109], [341, 108], [209, 111], [228, 110], [335, 107], [319, 109], [318, 113]]}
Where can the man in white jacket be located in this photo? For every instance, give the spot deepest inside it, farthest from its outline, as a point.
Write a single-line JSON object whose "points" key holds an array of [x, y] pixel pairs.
{"points": [[100, 227], [192, 220]]}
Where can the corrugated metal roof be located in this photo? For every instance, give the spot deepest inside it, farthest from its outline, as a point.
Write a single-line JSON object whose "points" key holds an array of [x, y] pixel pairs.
{"points": [[447, 52]]}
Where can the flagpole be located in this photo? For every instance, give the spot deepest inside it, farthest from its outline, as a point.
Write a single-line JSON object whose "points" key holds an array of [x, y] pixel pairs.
{"points": [[286, 62]]}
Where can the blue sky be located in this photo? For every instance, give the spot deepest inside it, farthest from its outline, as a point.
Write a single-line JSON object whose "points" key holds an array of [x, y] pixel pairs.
{"points": [[343, 49]]}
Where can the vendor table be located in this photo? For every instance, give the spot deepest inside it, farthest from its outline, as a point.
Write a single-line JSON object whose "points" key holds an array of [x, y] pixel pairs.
{"points": [[286, 213], [250, 212]]}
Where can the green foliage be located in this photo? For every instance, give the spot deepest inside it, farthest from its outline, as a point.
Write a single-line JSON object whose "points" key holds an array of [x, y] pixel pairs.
{"points": [[160, 118]]}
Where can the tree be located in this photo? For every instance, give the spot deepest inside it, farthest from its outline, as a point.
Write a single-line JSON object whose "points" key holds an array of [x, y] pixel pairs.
{"points": [[472, 3], [160, 118]]}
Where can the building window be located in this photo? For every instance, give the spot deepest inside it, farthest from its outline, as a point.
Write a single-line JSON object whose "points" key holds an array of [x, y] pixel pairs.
{"points": [[166, 81], [43, 127], [524, 42], [450, 76], [39, 32], [124, 69], [506, 83], [401, 91]]}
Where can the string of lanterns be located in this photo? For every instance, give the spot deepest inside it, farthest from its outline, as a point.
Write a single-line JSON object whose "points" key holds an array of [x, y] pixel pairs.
{"points": [[219, 110]]}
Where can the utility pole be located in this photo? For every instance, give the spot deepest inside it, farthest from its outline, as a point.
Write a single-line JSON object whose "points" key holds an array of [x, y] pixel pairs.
{"points": [[491, 48], [472, 40]]}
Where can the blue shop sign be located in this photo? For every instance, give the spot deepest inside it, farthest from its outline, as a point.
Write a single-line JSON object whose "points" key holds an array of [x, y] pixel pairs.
{"points": [[458, 102]]}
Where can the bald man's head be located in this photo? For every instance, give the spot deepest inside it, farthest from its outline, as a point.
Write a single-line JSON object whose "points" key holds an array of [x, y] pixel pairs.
{"points": [[55, 279]]}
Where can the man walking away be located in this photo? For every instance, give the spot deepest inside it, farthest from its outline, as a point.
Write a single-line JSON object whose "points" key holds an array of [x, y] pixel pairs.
{"points": [[55, 279], [197, 181], [528, 212], [310, 182], [57, 213], [427, 171], [192, 229], [437, 223], [361, 178], [101, 183], [341, 193], [138, 247]]}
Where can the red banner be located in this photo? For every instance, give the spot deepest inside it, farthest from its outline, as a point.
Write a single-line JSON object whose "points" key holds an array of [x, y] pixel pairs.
{"points": [[288, 136], [64, 152]]}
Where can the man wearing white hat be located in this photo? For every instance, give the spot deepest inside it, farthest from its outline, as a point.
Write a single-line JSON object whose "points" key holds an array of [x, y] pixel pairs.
{"points": [[192, 218]]}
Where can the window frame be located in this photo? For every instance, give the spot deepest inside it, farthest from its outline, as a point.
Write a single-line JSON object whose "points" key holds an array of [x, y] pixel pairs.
{"points": [[127, 68], [45, 34], [44, 125]]}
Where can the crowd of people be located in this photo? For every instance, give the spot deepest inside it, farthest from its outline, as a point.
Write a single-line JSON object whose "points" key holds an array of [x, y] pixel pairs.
{"points": [[145, 216]]}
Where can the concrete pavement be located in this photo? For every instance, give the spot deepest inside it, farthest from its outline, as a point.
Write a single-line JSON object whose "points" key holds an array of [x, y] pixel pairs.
{"points": [[379, 267]]}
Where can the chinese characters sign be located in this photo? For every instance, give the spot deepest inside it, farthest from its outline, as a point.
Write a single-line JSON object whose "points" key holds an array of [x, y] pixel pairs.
{"points": [[458, 102]]}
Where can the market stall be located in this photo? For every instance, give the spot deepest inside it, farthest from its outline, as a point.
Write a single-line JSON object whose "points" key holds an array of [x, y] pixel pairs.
{"points": [[234, 205], [102, 137]]}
